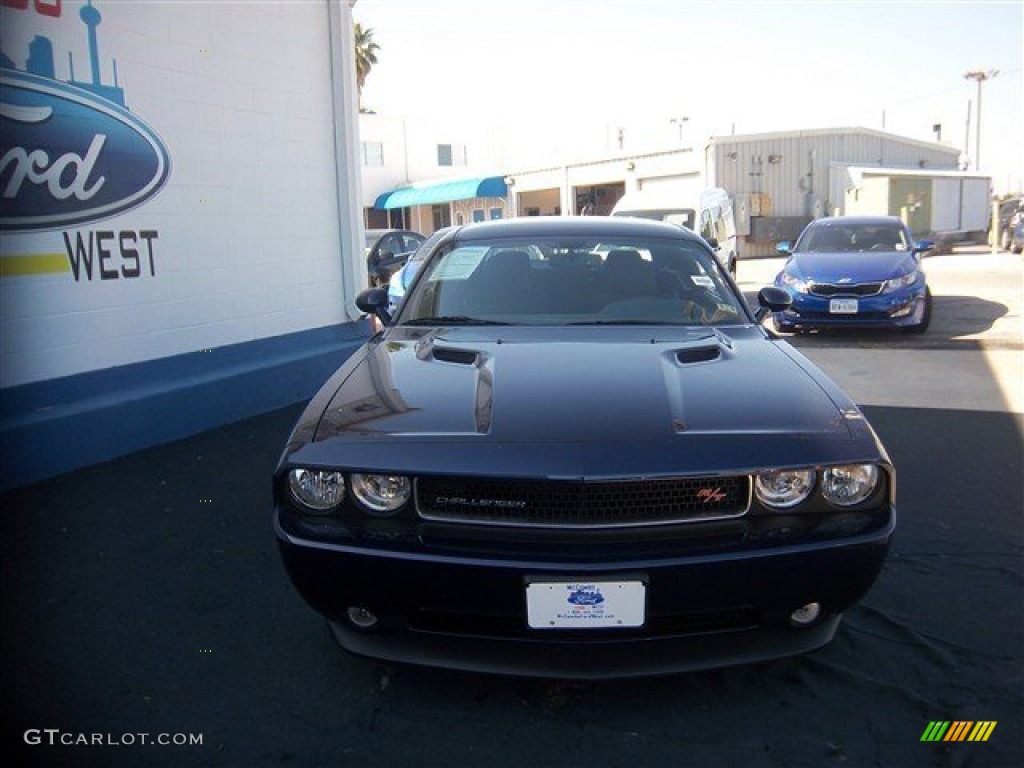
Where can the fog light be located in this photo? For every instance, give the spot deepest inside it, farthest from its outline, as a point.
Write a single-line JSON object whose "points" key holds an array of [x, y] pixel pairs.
{"points": [[805, 615], [361, 617], [902, 311]]}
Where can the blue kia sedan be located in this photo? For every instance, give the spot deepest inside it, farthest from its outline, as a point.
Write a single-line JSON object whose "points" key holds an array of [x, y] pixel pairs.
{"points": [[576, 452], [855, 271]]}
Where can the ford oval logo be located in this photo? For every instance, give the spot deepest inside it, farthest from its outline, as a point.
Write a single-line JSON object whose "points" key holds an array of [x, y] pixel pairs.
{"points": [[586, 597], [70, 156]]}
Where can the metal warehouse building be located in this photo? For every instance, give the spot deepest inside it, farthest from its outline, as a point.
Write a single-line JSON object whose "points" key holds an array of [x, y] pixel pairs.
{"points": [[778, 181]]}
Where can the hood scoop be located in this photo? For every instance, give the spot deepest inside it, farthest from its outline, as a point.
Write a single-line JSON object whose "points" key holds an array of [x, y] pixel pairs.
{"points": [[703, 354], [457, 356]]}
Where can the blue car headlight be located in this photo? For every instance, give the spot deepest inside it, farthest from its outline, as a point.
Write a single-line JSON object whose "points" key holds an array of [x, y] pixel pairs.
{"points": [[798, 284], [900, 282]]}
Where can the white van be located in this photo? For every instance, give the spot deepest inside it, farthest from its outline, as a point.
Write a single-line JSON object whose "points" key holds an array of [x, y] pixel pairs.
{"points": [[710, 215]]}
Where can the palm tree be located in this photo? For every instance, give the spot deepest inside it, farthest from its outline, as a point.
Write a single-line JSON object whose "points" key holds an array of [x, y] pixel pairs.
{"points": [[366, 57]]}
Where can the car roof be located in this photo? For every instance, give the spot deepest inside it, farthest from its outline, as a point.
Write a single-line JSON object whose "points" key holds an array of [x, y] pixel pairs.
{"points": [[382, 232], [573, 226], [863, 221]]}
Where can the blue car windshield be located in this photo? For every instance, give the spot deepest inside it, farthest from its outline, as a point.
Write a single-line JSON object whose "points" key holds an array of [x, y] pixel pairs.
{"points": [[853, 239], [573, 281]]}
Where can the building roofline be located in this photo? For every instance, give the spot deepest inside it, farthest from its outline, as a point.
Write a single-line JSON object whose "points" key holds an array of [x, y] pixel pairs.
{"points": [[814, 132]]}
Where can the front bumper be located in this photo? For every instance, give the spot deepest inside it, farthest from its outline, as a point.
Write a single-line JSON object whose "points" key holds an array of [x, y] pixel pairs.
{"points": [[888, 310], [468, 611]]}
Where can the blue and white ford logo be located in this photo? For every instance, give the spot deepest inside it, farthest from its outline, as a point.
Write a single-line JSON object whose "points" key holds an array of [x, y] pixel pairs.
{"points": [[70, 156], [586, 597]]}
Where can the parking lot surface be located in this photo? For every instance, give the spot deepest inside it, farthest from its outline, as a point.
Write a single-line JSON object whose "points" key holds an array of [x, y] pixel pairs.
{"points": [[971, 358], [144, 596]]}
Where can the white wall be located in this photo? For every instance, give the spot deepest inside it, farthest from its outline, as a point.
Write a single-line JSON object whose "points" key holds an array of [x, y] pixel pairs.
{"points": [[247, 242], [410, 151]]}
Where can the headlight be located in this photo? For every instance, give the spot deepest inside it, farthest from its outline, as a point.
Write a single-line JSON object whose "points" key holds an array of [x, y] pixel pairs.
{"points": [[849, 485], [900, 282], [319, 490], [783, 489], [381, 494], [798, 284]]}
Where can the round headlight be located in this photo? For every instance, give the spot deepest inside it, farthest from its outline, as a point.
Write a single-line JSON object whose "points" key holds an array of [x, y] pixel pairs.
{"points": [[381, 494], [785, 488], [849, 485], [320, 490]]}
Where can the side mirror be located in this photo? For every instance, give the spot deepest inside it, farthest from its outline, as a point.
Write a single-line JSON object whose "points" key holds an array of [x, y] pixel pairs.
{"points": [[374, 301], [785, 248], [771, 298], [923, 245]]}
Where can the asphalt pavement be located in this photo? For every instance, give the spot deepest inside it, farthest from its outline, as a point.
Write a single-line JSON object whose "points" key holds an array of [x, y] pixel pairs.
{"points": [[144, 601], [971, 357], [147, 620]]}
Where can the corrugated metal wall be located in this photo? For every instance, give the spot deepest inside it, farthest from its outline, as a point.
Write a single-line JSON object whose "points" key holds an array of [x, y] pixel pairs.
{"points": [[792, 169]]}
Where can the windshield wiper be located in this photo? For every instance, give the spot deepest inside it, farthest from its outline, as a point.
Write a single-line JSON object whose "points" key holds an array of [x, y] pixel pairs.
{"points": [[452, 320]]}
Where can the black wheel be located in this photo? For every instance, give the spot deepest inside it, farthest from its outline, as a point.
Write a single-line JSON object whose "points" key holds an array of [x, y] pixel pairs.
{"points": [[926, 319], [1005, 241]]}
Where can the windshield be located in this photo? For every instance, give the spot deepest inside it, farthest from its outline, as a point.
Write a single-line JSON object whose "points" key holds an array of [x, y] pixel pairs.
{"points": [[573, 281], [853, 238], [681, 217]]}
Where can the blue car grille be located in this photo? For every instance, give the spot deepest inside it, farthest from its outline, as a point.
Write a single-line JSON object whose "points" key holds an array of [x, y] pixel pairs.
{"points": [[579, 504], [833, 289]]}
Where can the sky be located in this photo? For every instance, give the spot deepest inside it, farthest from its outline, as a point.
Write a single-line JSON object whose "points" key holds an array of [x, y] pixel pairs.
{"points": [[563, 77]]}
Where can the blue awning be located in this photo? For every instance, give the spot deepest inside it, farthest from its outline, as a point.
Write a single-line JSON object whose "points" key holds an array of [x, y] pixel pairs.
{"points": [[442, 192]]}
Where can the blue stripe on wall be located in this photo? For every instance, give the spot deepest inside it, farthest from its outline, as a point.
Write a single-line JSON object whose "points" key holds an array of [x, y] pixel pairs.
{"points": [[54, 426]]}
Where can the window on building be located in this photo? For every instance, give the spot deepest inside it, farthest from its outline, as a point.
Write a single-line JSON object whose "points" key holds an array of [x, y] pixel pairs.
{"points": [[373, 153], [442, 216], [452, 154], [478, 214], [496, 213]]}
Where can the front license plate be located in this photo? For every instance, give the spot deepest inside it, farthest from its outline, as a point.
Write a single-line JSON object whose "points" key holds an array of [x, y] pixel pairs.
{"points": [[585, 604], [843, 307]]}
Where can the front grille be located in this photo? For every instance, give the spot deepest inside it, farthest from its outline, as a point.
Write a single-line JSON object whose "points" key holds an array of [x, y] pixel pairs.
{"points": [[831, 289], [581, 504]]}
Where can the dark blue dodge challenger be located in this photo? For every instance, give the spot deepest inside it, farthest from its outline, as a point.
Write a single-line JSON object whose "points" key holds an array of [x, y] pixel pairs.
{"points": [[576, 452]]}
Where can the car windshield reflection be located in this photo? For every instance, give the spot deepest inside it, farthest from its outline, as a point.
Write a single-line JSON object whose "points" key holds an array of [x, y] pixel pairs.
{"points": [[852, 239], [574, 282]]}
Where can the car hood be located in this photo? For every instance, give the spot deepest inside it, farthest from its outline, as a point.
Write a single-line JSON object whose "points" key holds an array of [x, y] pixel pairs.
{"points": [[581, 402], [870, 266]]}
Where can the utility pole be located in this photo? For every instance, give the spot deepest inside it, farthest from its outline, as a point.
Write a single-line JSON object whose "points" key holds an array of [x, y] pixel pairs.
{"points": [[679, 121], [979, 77]]}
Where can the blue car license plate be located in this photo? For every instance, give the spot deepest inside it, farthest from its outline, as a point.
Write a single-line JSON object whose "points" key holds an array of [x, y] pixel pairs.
{"points": [[843, 306]]}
